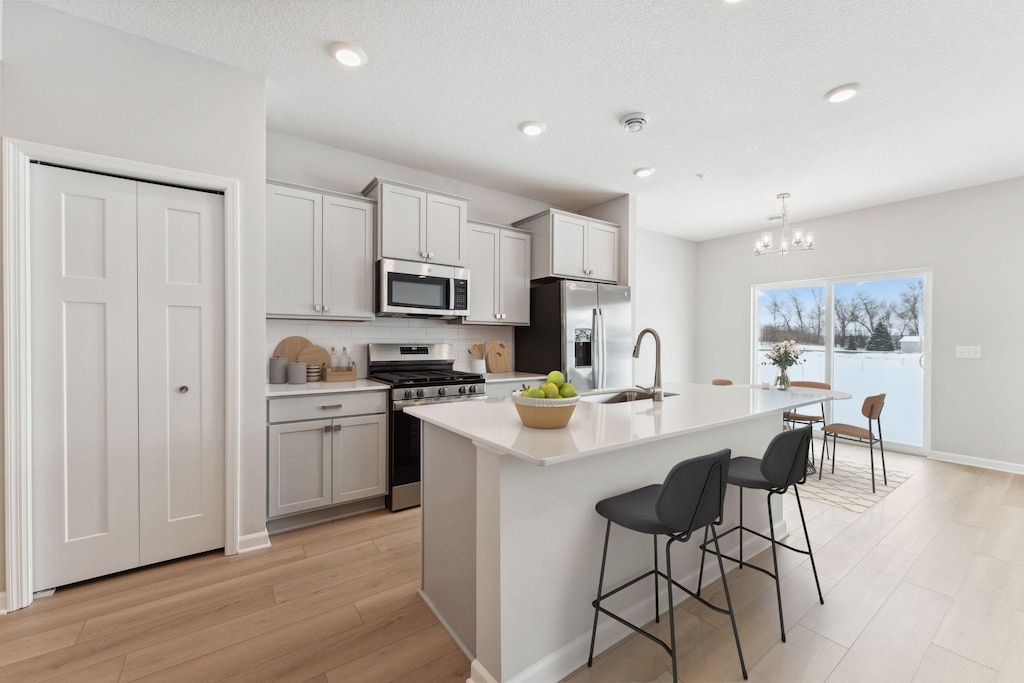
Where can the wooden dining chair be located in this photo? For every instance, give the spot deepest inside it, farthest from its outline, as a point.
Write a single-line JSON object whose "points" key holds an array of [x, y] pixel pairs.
{"points": [[721, 382], [792, 418], [872, 410]]}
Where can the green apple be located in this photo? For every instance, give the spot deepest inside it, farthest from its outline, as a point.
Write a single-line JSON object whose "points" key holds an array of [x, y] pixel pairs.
{"points": [[550, 390], [536, 393], [567, 390], [557, 378]]}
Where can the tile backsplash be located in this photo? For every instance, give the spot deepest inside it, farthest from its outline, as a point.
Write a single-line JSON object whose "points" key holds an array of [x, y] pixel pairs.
{"points": [[356, 336]]}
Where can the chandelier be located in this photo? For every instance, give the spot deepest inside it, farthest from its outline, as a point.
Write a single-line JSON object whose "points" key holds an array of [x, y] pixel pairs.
{"points": [[801, 242]]}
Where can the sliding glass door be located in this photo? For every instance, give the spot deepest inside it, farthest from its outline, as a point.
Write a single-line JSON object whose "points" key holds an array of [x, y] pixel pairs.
{"points": [[864, 335]]}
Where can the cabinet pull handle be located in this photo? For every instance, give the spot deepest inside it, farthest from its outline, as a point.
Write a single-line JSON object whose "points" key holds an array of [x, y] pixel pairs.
{"points": [[327, 428], [430, 255], [183, 389], [327, 309], [333, 407], [316, 307], [337, 428]]}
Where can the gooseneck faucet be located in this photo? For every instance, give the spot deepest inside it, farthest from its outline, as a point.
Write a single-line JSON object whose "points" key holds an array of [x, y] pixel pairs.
{"points": [[656, 389]]}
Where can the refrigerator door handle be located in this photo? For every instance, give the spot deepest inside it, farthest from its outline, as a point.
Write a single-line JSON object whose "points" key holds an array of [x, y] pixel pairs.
{"points": [[596, 361], [603, 350]]}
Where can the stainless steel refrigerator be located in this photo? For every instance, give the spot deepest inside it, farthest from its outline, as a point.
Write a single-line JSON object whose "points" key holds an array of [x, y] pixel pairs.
{"points": [[584, 329]]}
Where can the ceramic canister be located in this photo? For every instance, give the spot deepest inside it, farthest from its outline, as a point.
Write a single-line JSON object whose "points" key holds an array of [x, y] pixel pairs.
{"points": [[278, 370], [296, 373]]}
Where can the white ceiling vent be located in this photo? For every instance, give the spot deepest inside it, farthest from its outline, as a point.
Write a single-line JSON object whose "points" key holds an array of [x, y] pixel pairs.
{"points": [[635, 122]]}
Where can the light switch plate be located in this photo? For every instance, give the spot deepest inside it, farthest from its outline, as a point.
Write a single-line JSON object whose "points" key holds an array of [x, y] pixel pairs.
{"points": [[972, 352]]}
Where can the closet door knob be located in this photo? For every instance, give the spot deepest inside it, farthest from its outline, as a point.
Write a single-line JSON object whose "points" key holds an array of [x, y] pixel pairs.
{"points": [[183, 389]]}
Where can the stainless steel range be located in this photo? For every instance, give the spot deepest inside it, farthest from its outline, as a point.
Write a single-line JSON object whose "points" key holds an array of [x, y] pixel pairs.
{"points": [[419, 374]]}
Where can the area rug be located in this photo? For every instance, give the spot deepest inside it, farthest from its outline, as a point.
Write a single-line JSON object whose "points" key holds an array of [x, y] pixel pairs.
{"points": [[850, 486]]}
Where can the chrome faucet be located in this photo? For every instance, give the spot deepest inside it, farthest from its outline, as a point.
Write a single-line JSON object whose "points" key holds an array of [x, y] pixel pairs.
{"points": [[656, 389]]}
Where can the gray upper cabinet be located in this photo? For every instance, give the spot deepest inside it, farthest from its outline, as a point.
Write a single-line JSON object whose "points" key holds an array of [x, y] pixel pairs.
{"points": [[415, 224], [499, 285], [319, 255], [571, 246]]}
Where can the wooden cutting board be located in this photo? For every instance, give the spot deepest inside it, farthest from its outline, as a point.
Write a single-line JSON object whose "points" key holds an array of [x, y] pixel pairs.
{"points": [[498, 357], [291, 347], [316, 356]]}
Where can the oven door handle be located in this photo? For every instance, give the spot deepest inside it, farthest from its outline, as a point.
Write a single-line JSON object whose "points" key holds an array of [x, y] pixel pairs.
{"points": [[399, 406]]}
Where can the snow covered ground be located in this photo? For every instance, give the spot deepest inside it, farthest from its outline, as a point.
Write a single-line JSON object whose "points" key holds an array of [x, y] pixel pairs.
{"points": [[866, 373]]}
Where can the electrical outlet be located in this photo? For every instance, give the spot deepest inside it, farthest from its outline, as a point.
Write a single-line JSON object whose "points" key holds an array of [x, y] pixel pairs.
{"points": [[973, 352]]}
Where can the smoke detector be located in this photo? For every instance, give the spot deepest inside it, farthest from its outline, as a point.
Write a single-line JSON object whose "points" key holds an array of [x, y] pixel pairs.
{"points": [[635, 122]]}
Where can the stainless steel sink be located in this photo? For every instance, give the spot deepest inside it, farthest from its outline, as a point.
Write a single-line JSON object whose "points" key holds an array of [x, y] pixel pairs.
{"points": [[626, 396]]}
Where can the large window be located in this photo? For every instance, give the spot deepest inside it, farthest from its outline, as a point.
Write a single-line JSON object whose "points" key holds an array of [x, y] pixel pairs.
{"points": [[864, 336]]}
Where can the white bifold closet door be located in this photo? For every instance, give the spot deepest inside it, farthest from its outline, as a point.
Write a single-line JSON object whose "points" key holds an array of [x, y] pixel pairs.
{"points": [[127, 308]]}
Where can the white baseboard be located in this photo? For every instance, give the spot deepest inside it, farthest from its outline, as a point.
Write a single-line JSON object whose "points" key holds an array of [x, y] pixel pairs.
{"points": [[3, 603], [466, 650], [478, 674], [250, 542], [984, 463], [570, 657]]}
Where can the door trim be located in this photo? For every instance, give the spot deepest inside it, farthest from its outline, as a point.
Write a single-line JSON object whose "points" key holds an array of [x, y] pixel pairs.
{"points": [[17, 427]]}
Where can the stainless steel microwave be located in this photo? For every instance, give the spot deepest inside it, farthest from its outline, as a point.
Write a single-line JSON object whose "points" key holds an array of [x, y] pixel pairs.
{"points": [[405, 288]]}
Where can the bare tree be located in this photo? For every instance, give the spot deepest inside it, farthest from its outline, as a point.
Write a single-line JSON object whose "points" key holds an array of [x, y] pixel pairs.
{"points": [[779, 311], [908, 309], [798, 310], [868, 309], [817, 314], [846, 312]]}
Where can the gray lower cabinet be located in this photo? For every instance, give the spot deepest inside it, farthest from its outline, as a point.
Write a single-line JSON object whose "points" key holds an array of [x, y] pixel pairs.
{"points": [[319, 462]]}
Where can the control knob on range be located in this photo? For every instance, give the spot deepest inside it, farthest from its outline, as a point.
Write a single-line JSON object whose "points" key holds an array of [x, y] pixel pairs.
{"points": [[462, 389], [408, 393], [442, 391], [472, 389], [419, 393]]}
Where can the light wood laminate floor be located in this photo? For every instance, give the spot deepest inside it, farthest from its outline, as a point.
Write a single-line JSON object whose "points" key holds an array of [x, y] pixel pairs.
{"points": [[335, 602], [928, 585]]}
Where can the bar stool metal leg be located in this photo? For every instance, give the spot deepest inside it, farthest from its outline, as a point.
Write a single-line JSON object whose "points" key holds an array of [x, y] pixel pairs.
{"points": [[741, 528], [671, 609], [703, 552], [600, 587], [728, 603], [775, 561], [657, 609], [810, 553]]}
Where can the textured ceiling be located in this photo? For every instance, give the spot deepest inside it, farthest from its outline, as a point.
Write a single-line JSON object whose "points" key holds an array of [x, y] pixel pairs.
{"points": [[734, 92]]}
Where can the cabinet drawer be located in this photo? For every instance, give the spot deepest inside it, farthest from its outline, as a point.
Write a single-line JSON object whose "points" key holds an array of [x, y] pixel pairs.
{"points": [[322, 406]]}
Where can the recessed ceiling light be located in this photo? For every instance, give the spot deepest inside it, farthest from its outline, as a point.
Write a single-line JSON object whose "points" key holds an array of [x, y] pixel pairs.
{"points": [[842, 93], [348, 54], [532, 128], [643, 172]]}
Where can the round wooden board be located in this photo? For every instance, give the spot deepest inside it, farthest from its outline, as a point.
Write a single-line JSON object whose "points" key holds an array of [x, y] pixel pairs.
{"points": [[291, 347], [316, 356]]}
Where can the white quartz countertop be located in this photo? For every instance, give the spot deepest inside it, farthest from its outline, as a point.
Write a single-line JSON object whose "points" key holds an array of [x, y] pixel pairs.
{"points": [[279, 390], [599, 428], [526, 377]]}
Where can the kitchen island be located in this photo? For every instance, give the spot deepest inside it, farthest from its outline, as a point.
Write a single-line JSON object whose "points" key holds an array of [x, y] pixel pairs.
{"points": [[511, 541]]}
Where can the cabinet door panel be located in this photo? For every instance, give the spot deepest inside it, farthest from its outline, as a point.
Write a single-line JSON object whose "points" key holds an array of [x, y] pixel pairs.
{"points": [[403, 223], [603, 252], [514, 283], [446, 230], [85, 435], [181, 334], [484, 244], [294, 246], [360, 458], [299, 476], [568, 246], [348, 258]]}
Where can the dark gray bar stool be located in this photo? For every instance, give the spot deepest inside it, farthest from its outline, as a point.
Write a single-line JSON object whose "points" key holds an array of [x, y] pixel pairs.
{"points": [[783, 465], [691, 498]]}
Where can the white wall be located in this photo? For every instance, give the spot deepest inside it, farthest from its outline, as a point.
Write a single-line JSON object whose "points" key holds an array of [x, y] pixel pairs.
{"points": [[972, 240], [665, 298], [76, 84], [302, 162]]}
